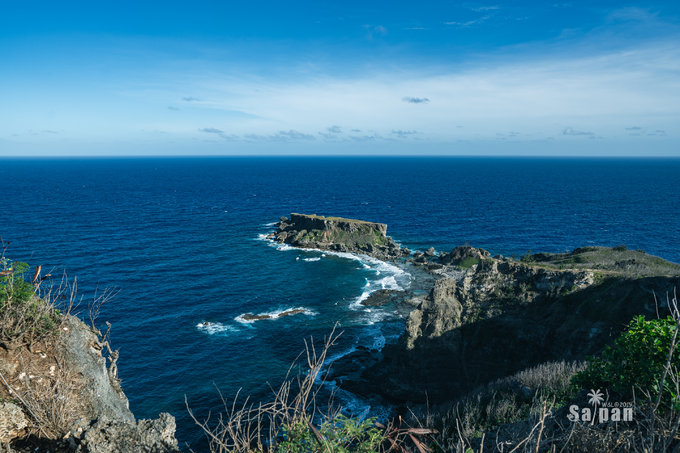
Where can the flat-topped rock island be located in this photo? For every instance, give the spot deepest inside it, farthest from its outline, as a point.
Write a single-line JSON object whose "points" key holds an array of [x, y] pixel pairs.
{"points": [[337, 234]]}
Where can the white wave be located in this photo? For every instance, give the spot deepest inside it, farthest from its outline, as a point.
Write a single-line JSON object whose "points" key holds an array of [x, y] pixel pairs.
{"points": [[272, 315], [311, 259], [270, 224], [376, 316], [389, 283], [392, 277], [356, 304], [216, 328]]}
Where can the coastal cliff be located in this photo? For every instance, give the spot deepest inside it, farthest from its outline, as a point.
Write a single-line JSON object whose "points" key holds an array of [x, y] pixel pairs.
{"points": [[487, 317], [59, 394], [337, 234]]}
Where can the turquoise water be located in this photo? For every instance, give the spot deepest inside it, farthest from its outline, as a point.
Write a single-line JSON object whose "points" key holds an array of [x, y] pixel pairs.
{"points": [[182, 241]]}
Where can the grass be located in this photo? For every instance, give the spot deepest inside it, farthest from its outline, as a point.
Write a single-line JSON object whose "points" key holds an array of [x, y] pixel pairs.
{"points": [[334, 219], [468, 262], [616, 261]]}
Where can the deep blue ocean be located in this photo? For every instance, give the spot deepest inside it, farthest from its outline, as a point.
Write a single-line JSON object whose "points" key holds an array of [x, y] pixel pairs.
{"points": [[182, 241]]}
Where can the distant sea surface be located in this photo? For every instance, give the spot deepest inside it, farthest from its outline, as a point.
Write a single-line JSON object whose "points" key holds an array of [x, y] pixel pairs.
{"points": [[182, 241]]}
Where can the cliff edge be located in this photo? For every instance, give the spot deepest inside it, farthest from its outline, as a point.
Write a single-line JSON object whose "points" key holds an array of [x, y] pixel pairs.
{"points": [[58, 394], [489, 317]]}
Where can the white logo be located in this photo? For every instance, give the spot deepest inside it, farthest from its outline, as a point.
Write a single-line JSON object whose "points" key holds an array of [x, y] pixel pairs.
{"points": [[602, 411]]}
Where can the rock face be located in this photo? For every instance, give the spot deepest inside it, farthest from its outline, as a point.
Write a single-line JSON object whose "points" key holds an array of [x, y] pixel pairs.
{"points": [[100, 394], [109, 436], [486, 318], [76, 400], [337, 234]]}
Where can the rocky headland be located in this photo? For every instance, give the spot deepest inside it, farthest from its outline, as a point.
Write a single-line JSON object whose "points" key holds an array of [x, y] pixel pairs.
{"points": [[337, 234], [474, 318], [486, 317]]}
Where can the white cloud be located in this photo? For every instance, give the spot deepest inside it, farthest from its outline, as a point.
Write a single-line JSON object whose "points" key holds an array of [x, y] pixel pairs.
{"points": [[539, 97]]}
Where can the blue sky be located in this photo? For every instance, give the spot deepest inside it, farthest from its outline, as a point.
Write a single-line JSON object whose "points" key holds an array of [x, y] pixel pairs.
{"points": [[273, 77]]}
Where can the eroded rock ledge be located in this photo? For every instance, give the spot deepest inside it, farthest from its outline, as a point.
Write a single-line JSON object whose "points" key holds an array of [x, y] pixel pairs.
{"points": [[338, 234]]}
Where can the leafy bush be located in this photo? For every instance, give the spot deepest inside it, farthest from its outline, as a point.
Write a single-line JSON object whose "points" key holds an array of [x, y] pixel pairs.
{"points": [[13, 288], [24, 317], [637, 362], [343, 434]]}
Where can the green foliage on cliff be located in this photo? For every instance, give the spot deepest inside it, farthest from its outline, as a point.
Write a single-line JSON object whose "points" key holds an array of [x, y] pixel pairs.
{"points": [[24, 316], [13, 288], [638, 362], [341, 435]]}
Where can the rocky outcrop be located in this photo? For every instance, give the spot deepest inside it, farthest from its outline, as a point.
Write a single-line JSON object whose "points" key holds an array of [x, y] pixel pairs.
{"points": [[144, 436], [13, 422], [337, 234], [66, 398], [99, 394], [486, 318]]}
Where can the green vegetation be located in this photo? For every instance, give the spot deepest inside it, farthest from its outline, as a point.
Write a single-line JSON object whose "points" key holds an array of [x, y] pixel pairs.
{"points": [[468, 262], [638, 362], [24, 316], [614, 261], [288, 423], [341, 435]]}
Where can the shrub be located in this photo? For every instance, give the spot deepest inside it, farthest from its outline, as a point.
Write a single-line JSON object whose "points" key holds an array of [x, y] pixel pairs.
{"points": [[637, 362], [342, 434], [24, 317]]}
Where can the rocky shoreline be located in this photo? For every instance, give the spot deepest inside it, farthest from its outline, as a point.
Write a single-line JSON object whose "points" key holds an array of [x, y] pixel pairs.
{"points": [[480, 317]]}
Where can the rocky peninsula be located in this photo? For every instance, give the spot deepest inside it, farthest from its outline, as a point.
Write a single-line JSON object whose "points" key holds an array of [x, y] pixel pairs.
{"points": [[485, 317]]}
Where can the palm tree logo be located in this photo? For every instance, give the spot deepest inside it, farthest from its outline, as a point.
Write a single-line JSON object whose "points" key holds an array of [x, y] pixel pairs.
{"points": [[596, 398]]}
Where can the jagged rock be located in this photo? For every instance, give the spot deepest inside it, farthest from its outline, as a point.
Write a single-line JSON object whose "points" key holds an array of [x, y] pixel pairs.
{"points": [[459, 254], [381, 297], [101, 394], [117, 436], [430, 252], [13, 422], [253, 317]]}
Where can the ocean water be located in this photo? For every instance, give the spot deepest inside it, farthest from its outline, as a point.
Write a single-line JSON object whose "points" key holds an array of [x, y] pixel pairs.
{"points": [[181, 239]]}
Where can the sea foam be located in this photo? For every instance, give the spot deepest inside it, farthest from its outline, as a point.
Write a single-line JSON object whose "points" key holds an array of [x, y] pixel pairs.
{"points": [[274, 315]]}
